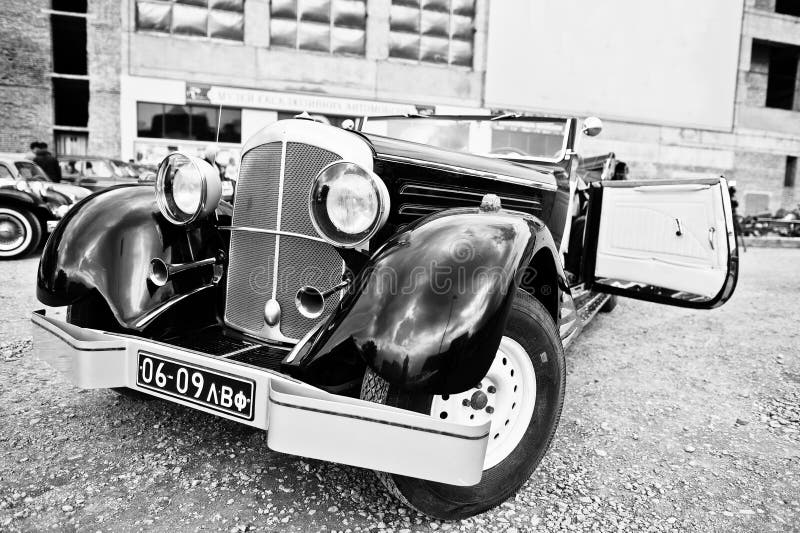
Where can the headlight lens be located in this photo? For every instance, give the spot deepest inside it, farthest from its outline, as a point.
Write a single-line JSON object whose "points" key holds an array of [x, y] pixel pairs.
{"points": [[187, 188], [348, 204]]}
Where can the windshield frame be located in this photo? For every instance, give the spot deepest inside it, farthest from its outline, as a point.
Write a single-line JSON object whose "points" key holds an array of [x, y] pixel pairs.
{"points": [[566, 151]]}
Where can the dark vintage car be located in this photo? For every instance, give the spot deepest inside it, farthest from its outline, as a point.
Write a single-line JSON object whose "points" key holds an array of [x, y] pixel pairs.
{"points": [[392, 297], [30, 205]]}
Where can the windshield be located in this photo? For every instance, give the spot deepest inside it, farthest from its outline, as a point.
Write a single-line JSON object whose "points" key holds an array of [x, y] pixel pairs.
{"points": [[30, 171], [513, 137]]}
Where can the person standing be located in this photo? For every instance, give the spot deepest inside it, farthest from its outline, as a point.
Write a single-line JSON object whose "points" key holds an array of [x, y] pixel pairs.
{"points": [[48, 162], [30, 155]]}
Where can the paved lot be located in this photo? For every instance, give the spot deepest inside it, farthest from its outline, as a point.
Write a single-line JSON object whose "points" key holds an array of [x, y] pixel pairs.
{"points": [[675, 420]]}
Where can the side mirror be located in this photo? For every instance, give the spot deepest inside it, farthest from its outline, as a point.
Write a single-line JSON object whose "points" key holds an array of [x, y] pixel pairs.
{"points": [[592, 126]]}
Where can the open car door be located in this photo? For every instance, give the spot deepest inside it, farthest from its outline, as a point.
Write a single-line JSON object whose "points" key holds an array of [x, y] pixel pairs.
{"points": [[665, 241]]}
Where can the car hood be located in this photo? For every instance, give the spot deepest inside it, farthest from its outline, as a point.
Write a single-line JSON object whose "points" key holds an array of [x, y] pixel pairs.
{"points": [[398, 149], [73, 192]]}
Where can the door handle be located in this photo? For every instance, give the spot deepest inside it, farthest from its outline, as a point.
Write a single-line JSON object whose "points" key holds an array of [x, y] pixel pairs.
{"points": [[711, 232], [680, 230]]}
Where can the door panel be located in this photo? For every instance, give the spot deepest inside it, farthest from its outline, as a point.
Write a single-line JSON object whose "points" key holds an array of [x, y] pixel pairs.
{"points": [[669, 241]]}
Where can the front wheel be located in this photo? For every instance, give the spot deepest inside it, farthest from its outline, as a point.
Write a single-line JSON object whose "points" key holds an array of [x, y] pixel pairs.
{"points": [[521, 396], [20, 232]]}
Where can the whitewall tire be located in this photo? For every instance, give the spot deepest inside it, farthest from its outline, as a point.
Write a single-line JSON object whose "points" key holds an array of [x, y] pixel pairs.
{"points": [[20, 232]]}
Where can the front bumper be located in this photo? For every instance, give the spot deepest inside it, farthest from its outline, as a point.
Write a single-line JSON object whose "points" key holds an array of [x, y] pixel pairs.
{"points": [[301, 419]]}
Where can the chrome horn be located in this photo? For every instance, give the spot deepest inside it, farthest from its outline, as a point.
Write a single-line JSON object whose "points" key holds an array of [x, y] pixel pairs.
{"points": [[310, 301], [161, 272]]}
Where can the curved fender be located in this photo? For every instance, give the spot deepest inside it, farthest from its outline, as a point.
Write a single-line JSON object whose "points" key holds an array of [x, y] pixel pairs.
{"points": [[105, 243], [428, 311], [8, 193]]}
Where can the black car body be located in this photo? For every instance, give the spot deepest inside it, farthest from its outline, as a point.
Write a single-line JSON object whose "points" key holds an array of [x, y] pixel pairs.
{"points": [[30, 205], [376, 301]]}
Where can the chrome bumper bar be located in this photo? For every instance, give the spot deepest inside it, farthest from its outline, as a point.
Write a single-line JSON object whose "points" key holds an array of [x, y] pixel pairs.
{"points": [[301, 419]]}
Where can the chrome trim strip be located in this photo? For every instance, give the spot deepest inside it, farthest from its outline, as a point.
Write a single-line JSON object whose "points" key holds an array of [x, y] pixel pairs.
{"points": [[468, 171], [272, 232], [150, 316], [414, 189], [297, 347], [378, 421], [241, 350], [278, 222]]}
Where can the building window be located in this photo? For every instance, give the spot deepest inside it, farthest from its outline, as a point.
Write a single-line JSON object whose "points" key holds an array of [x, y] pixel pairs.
{"points": [[188, 122], [221, 19], [333, 26], [791, 172], [782, 78], [435, 31], [788, 7]]}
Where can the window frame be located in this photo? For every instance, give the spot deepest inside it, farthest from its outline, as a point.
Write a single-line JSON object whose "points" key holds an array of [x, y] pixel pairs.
{"points": [[419, 60], [218, 110], [332, 26], [170, 31]]}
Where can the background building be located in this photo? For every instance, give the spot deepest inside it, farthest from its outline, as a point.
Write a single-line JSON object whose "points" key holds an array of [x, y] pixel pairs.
{"points": [[685, 88]]}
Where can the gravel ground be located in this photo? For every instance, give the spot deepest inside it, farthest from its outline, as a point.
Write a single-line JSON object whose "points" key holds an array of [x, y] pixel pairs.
{"points": [[675, 420]]}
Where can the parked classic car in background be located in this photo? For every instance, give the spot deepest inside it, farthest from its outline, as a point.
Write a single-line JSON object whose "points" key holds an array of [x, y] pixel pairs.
{"points": [[30, 205], [392, 297], [97, 173]]}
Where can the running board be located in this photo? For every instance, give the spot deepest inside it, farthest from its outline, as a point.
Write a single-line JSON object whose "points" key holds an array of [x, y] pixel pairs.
{"points": [[573, 320]]}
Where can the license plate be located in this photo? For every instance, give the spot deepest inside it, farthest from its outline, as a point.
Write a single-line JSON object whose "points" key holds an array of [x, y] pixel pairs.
{"points": [[196, 384]]}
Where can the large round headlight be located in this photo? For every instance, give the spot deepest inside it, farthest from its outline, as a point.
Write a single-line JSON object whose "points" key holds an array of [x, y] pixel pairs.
{"points": [[348, 204], [187, 188]]}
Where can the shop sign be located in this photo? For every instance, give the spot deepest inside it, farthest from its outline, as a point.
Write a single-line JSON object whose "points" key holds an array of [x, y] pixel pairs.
{"points": [[281, 101]]}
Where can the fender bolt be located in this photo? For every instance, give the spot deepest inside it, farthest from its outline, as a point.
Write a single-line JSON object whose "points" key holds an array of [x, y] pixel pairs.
{"points": [[489, 409], [491, 389]]}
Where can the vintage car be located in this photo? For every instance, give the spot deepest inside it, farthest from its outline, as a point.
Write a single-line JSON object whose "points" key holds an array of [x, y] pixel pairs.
{"points": [[97, 173], [30, 205], [391, 295]]}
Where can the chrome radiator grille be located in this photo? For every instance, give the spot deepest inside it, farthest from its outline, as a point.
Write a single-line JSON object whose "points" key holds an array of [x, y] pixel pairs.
{"points": [[266, 265]]}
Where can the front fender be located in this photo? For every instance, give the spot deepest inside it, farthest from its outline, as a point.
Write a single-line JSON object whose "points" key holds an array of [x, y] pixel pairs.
{"points": [[19, 197], [428, 311], [105, 244]]}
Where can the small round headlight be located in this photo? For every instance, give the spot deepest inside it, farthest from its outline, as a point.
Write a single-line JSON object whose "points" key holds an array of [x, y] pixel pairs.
{"points": [[348, 204], [187, 188]]}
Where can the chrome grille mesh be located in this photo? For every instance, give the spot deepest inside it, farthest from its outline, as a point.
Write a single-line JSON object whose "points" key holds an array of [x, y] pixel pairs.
{"points": [[250, 269], [303, 162], [256, 203], [251, 279]]}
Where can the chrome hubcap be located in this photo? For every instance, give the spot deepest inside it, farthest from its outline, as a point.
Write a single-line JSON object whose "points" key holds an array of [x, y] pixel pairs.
{"points": [[505, 398], [12, 232]]}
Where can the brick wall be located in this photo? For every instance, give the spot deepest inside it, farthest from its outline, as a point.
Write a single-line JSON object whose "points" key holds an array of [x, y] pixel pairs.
{"points": [[103, 46], [761, 172], [26, 110]]}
